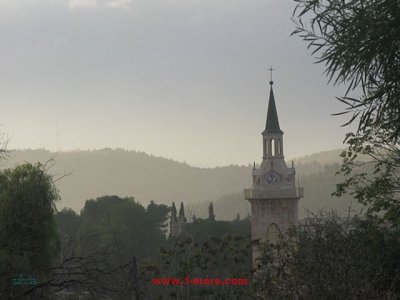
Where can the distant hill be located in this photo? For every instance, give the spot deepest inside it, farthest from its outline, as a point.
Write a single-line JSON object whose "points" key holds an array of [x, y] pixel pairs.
{"points": [[146, 177], [323, 157], [315, 163], [130, 173]]}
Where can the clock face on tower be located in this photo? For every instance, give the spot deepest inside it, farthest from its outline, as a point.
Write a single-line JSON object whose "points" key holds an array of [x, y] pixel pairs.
{"points": [[272, 177]]}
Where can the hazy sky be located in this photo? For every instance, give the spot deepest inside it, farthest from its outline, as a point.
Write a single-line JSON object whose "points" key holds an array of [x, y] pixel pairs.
{"points": [[182, 79]]}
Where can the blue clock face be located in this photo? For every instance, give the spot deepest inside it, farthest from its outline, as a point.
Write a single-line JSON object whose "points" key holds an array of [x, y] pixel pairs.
{"points": [[272, 177]]}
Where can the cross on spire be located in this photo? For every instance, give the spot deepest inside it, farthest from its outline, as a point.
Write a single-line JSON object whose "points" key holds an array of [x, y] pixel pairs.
{"points": [[270, 75]]}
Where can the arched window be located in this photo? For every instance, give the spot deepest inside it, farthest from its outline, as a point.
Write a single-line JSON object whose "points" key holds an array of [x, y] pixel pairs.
{"points": [[279, 147], [265, 147], [272, 145], [273, 233]]}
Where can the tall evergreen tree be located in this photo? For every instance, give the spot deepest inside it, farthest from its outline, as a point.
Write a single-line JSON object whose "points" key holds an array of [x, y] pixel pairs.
{"points": [[211, 215], [237, 217], [182, 211]]}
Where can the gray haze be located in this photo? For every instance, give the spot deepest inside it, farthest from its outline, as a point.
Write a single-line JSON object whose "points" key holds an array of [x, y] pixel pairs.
{"points": [[180, 79], [128, 173]]}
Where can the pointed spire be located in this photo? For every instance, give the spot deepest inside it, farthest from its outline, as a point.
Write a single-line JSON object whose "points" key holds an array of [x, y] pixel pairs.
{"points": [[182, 213], [173, 213], [272, 125]]}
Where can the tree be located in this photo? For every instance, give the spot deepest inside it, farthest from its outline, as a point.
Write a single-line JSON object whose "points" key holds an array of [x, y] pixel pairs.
{"points": [[237, 217], [332, 258], [3, 146], [112, 225], [28, 233], [211, 215], [157, 215], [123, 225], [68, 223], [182, 212], [358, 41], [111, 233], [201, 229], [173, 212], [214, 257]]}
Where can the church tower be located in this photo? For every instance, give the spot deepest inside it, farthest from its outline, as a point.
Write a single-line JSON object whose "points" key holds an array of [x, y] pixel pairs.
{"points": [[274, 196]]}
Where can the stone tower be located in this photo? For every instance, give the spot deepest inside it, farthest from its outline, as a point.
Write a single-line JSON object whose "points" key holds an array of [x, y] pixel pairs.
{"points": [[273, 196]]}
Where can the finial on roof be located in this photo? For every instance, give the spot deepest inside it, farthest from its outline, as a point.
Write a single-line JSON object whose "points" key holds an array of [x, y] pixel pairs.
{"points": [[270, 75]]}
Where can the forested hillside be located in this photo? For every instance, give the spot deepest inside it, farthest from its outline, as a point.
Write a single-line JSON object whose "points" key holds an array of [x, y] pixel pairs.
{"points": [[145, 177], [129, 173]]}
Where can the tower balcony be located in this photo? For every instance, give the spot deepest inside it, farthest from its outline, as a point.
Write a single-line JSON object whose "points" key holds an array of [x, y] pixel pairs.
{"points": [[300, 192], [247, 194], [263, 193]]}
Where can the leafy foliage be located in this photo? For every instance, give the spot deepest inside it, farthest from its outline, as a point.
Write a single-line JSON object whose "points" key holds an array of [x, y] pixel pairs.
{"points": [[201, 229], [332, 258], [123, 224], [68, 225], [28, 236], [380, 190], [359, 43], [100, 247], [214, 257]]}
